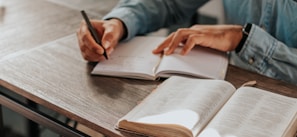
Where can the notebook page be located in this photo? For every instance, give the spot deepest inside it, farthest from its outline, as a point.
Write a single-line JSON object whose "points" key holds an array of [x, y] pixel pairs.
{"points": [[199, 62], [131, 58]]}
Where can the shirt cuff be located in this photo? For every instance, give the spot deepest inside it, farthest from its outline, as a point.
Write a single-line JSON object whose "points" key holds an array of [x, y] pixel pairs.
{"points": [[258, 48], [128, 19]]}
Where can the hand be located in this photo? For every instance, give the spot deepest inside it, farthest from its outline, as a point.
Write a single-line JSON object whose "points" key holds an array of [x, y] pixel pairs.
{"points": [[219, 37], [109, 31]]}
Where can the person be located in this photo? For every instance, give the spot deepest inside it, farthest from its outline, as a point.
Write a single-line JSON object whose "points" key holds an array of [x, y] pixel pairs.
{"points": [[259, 35]]}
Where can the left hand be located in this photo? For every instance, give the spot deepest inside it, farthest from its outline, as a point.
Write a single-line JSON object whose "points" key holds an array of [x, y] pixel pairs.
{"points": [[219, 37]]}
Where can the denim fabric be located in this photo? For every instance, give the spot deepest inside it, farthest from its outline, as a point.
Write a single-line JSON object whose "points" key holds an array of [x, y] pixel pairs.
{"points": [[270, 48]]}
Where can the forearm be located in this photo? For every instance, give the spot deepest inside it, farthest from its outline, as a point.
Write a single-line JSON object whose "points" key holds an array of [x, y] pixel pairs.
{"points": [[266, 55], [143, 16]]}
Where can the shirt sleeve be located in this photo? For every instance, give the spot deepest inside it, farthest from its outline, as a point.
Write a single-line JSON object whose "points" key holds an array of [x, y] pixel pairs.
{"points": [[143, 16], [268, 56]]}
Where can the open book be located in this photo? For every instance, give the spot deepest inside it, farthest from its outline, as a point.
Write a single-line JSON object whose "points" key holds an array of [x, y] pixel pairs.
{"points": [[134, 59], [188, 107]]}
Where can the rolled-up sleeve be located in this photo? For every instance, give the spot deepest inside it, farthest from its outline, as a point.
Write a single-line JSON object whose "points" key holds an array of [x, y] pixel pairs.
{"points": [[143, 16], [268, 56]]}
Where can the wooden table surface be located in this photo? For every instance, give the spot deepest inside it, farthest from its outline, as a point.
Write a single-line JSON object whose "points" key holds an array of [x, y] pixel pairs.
{"points": [[41, 61], [55, 76], [27, 24]]}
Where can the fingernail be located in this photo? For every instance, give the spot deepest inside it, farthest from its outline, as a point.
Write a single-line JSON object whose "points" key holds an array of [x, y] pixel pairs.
{"points": [[111, 50], [167, 53], [183, 52], [106, 44]]}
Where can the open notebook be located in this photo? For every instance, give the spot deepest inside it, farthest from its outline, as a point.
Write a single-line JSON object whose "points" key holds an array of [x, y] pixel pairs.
{"points": [[134, 59]]}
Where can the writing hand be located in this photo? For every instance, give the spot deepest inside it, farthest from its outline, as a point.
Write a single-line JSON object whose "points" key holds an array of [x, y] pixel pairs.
{"points": [[109, 31], [219, 37]]}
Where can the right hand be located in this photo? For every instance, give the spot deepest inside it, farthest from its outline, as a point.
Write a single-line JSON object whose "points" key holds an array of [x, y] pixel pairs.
{"points": [[109, 31]]}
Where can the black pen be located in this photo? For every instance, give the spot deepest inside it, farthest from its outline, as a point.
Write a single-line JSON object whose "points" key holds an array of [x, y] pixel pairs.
{"points": [[93, 32]]}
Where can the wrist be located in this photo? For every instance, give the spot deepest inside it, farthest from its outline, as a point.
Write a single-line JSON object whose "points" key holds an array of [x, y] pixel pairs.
{"points": [[122, 28], [245, 33]]}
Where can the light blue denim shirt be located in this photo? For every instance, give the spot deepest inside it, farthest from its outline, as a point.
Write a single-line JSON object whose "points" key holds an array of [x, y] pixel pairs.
{"points": [[270, 49]]}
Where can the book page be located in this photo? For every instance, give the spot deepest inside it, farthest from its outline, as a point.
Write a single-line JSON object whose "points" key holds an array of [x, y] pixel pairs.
{"points": [[199, 62], [253, 112], [184, 101], [132, 58]]}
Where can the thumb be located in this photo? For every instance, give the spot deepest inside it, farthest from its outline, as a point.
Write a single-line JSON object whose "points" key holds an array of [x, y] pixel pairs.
{"points": [[109, 45], [106, 44], [108, 40]]}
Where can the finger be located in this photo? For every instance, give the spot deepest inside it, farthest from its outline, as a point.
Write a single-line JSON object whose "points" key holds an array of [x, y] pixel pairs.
{"points": [[86, 53], [193, 40], [87, 37], [179, 37], [163, 45], [91, 44], [81, 26], [109, 40], [109, 51], [84, 50], [110, 47], [90, 50], [80, 43], [98, 26], [203, 27], [82, 46], [92, 56], [80, 32]]}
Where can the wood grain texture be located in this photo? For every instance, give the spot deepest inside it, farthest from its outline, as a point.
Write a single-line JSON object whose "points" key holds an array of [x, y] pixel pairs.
{"points": [[238, 76], [55, 76], [40, 60], [98, 8], [29, 23]]}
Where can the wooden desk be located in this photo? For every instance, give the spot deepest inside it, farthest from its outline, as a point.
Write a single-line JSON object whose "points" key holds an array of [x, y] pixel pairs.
{"points": [[40, 60], [30, 23], [55, 76]]}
